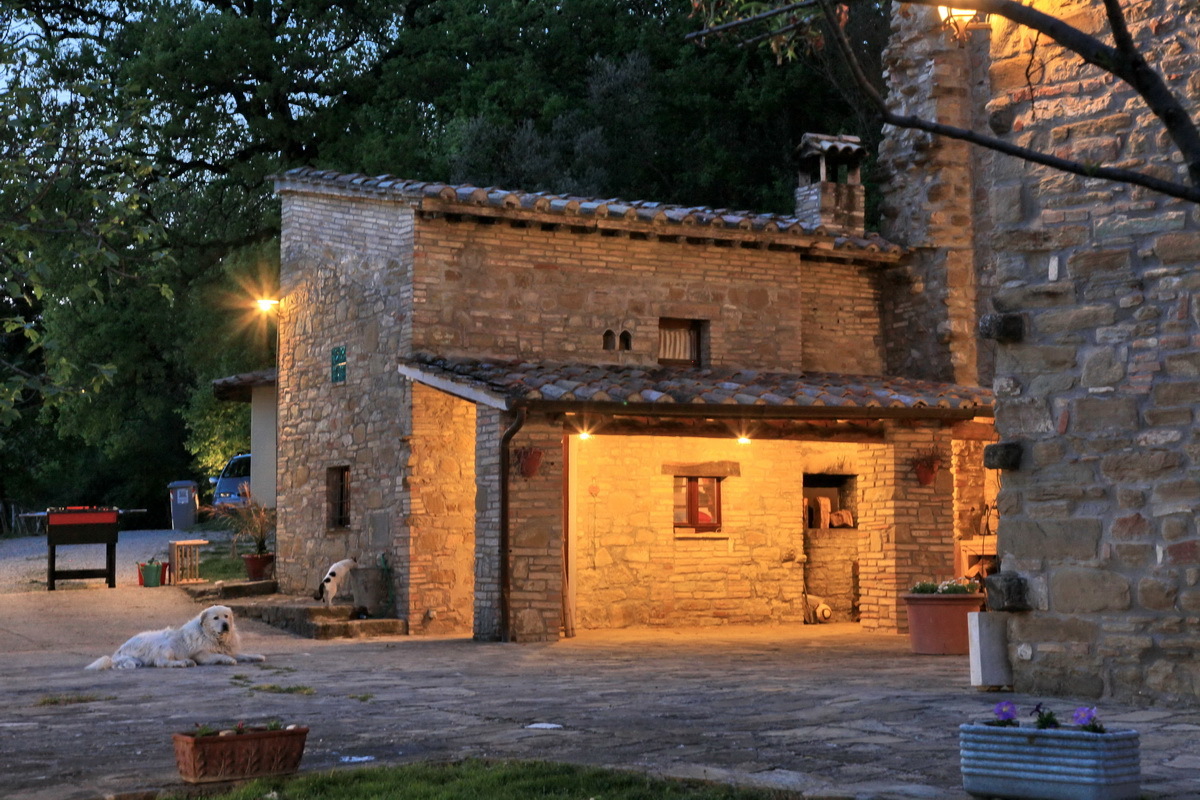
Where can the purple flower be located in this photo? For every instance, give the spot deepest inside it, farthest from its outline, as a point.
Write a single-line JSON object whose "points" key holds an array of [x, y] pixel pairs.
{"points": [[1005, 711], [1084, 715]]}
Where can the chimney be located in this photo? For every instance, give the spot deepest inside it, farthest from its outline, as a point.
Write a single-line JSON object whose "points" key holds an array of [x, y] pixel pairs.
{"points": [[830, 193]]}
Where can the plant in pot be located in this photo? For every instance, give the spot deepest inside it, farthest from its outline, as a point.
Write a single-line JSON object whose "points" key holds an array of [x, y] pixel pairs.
{"points": [[937, 615], [926, 466], [209, 754], [1042, 759], [253, 521]]}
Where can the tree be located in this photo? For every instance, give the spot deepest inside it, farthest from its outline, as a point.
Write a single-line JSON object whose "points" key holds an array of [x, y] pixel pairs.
{"points": [[178, 112], [793, 22]]}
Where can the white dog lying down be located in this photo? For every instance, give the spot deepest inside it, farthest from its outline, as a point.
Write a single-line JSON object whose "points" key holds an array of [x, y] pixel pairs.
{"points": [[328, 588], [208, 638]]}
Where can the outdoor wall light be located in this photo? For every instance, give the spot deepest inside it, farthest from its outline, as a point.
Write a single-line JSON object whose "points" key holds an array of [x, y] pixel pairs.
{"points": [[960, 20], [266, 304], [743, 440]]}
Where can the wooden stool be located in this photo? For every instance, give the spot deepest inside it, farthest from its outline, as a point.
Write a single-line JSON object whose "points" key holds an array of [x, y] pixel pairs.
{"points": [[185, 561]]}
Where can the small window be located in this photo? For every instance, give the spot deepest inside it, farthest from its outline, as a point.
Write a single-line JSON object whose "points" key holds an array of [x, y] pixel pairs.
{"points": [[679, 342], [626, 341], [610, 340], [698, 503], [337, 497], [337, 365]]}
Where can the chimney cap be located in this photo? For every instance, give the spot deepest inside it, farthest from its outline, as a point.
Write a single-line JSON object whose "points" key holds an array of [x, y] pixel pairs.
{"points": [[842, 148]]}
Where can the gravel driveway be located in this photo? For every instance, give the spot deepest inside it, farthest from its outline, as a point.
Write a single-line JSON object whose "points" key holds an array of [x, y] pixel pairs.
{"points": [[23, 559]]}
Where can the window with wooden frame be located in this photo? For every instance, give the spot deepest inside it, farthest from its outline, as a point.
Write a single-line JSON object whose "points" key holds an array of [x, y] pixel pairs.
{"points": [[680, 342], [337, 497], [698, 503]]}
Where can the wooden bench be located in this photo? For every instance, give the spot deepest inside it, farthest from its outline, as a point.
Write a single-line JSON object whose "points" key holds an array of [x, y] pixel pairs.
{"points": [[71, 526]]}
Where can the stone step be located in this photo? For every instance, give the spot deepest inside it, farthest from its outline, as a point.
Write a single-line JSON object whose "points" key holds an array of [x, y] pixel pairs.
{"points": [[315, 621]]}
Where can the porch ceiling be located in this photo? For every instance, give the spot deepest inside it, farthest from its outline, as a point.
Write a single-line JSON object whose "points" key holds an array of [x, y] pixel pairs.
{"points": [[695, 392]]}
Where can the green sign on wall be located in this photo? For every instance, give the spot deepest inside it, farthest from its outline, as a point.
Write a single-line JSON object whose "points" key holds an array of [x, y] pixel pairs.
{"points": [[337, 364]]}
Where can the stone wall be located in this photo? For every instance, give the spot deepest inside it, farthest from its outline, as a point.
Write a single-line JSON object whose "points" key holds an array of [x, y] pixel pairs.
{"points": [[633, 568], [441, 489], [933, 203], [555, 292], [343, 279], [1102, 392]]}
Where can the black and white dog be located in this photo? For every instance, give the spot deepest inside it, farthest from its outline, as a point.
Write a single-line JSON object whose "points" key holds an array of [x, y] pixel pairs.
{"points": [[329, 586]]}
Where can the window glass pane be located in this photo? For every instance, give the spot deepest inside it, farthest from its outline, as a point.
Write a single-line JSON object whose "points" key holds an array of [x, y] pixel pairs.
{"points": [[706, 502], [681, 501]]}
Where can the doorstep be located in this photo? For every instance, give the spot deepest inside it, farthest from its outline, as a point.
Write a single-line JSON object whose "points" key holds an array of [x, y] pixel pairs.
{"points": [[313, 620]]}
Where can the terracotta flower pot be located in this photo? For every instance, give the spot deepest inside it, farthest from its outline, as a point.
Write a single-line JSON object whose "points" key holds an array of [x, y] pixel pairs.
{"points": [[253, 754], [257, 565], [937, 623]]}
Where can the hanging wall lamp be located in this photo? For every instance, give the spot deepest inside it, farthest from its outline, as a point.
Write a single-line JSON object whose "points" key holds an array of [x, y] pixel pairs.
{"points": [[960, 20]]}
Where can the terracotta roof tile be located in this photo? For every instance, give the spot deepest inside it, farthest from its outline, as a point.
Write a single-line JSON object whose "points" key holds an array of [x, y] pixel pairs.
{"points": [[520, 382], [498, 201]]}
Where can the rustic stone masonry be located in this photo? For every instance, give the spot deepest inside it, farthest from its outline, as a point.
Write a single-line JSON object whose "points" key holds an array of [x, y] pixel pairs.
{"points": [[374, 274], [441, 490], [554, 292], [932, 204], [1101, 392], [345, 296]]}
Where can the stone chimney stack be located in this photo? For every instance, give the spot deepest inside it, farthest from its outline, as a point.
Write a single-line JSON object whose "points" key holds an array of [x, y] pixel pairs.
{"points": [[830, 193]]}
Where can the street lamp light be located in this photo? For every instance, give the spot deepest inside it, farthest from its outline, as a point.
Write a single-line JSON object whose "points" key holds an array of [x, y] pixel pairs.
{"points": [[266, 304]]}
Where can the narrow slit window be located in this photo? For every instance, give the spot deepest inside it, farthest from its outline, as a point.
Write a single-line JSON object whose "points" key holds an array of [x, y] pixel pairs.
{"points": [[626, 341], [337, 497], [610, 340]]}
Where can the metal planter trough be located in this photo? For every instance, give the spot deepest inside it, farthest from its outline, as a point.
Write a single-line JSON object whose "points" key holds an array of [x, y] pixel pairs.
{"points": [[1026, 763]]}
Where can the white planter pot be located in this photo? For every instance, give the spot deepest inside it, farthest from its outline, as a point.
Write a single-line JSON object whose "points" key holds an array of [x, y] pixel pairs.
{"points": [[1049, 764]]}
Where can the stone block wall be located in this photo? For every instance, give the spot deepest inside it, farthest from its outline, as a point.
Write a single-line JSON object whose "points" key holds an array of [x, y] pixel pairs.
{"points": [[555, 292], [933, 203], [441, 489], [631, 566], [1102, 393], [535, 537], [343, 282]]}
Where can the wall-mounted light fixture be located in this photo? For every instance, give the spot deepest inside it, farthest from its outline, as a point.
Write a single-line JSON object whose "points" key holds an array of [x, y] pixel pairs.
{"points": [[960, 20]]}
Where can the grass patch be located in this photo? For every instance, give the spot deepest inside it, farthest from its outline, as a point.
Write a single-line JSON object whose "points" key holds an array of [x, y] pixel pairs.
{"points": [[275, 688], [275, 668], [71, 699], [362, 698], [222, 567], [509, 780]]}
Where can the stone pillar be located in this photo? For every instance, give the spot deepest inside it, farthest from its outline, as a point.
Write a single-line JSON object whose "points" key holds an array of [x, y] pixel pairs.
{"points": [[489, 427], [930, 201]]}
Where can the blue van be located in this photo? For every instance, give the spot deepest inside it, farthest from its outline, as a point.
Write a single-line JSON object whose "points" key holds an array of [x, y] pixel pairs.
{"points": [[232, 487]]}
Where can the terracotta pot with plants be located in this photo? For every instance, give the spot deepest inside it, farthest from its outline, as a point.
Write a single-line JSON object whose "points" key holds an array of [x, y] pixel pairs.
{"points": [[253, 521], [937, 616], [208, 754]]}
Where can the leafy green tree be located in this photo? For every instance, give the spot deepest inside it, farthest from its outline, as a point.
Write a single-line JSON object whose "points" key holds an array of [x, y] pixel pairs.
{"points": [[156, 125]]}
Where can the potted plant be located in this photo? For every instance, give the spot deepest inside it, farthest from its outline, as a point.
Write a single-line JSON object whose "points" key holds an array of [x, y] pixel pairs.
{"points": [[256, 522], [209, 754], [937, 615], [926, 466], [1043, 760]]}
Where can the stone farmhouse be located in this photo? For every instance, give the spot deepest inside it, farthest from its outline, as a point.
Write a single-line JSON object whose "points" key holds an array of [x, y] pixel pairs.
{"points": [[553, 412], [549, 413], [1088, 295]]}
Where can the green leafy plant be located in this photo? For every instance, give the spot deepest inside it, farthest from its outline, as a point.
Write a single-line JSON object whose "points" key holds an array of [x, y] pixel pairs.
{"points": [[952, 586], [1044, 717], [251, 520]]}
